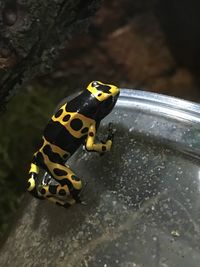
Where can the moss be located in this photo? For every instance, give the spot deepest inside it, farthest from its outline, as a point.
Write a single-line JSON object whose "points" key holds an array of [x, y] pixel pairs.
{"points": [[22, 126]]}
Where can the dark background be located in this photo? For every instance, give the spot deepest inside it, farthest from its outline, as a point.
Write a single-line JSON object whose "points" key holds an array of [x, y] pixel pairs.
{"points": [[145, 44]]}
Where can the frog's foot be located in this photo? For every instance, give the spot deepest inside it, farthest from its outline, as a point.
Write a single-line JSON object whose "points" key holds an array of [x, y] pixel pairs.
{"points": [[64, 203], [109, 139], [34, 192], [111, 132], [32, 187]]}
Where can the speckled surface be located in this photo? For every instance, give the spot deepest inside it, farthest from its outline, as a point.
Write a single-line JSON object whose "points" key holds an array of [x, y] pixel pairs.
{"points": [[142, 201]]}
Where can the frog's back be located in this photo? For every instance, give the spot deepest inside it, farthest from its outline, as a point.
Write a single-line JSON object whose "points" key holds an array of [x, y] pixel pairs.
{"points": [[68, 127]]}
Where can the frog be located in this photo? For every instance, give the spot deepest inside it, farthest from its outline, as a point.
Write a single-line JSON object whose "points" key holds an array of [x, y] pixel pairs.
{"points": [[73, 124]]}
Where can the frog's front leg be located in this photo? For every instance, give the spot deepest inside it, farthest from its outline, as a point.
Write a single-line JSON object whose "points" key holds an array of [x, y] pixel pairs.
{"points": [[100, 147]]}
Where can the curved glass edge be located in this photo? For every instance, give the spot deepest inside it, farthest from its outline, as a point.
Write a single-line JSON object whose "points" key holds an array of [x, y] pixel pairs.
{"points": [[168, 105], [182, 132]]}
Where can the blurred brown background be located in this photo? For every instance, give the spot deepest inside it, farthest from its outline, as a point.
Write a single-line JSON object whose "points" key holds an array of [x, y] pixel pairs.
{"points": [[150, 44]]}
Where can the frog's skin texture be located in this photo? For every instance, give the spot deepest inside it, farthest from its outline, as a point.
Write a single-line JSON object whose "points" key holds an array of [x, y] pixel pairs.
{"points": [[74, 124]]}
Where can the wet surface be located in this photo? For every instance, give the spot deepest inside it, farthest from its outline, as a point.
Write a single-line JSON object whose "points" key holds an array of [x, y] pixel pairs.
{"points": [[142, 200]]}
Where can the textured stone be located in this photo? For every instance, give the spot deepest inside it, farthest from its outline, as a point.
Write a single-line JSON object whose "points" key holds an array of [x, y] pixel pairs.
{"points": [[31, 34]]}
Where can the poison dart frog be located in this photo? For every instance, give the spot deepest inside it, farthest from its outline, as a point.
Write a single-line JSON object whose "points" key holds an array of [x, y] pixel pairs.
{"points": [[74, 124]]}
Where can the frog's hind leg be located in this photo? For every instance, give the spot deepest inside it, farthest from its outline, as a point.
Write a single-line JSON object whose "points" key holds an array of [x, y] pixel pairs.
{"points": [[69, 185], [58, 194]]}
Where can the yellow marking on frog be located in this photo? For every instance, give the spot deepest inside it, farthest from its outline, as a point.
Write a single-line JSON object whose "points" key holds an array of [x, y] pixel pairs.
{"points": [[86, 122], [55, 149], [32, 184], [59, 187], [69, 173], [65, 187], [90, 142], [101, 96], [34, 168], [70, 201]]}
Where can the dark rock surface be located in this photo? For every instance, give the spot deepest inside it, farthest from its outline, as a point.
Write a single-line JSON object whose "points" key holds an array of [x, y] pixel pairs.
{"points": [[31, 35]]}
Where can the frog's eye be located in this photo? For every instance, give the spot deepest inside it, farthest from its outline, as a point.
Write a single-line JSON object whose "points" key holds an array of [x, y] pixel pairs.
{"points": [[95, 84]]}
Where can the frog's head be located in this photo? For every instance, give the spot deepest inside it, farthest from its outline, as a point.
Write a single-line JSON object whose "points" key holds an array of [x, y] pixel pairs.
{"points": [[106, 94]]}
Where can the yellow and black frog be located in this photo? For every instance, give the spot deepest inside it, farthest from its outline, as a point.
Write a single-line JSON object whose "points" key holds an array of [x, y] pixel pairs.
{"points": [[74, 124]]}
